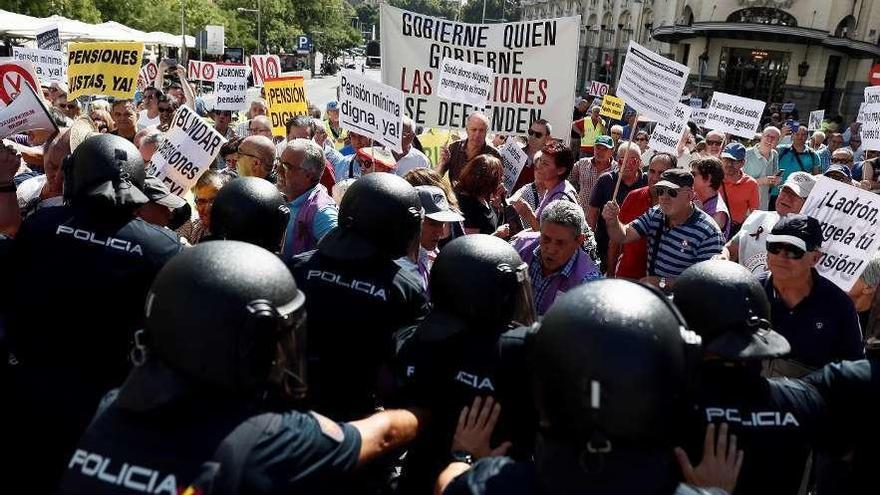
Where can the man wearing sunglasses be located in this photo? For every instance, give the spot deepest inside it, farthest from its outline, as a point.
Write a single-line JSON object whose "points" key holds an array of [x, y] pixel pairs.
{"points": [[679, 234], [817, 318], [714, 140], [539, 134]]}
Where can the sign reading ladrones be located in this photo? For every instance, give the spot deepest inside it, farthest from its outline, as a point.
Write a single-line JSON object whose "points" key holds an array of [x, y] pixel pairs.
{"points": [[286, 97], [48, 64], [190, 147], [109, 69], [848, 216], [231, 87], [530, 81], [371, 109], [734, 114]]}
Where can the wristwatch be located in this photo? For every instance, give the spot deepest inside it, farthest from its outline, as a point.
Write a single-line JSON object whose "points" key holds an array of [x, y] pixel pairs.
{"points": [[462, 456]]}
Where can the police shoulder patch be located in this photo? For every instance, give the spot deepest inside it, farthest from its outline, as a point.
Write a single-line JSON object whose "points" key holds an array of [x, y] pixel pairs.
{"points": [[329, 428]]}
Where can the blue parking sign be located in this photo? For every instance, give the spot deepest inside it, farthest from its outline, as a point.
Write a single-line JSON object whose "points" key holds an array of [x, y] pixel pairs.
{"points": [[303, 44]]}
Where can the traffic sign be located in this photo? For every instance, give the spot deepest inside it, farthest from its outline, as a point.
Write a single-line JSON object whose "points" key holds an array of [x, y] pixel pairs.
{"points": [[874, 76], [303, 44]]}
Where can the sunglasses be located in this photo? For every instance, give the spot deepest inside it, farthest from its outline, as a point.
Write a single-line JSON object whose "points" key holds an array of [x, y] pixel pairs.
{"points": [[661, 190], [786, 250], [165, 110], [713, 143], [536, 134]]}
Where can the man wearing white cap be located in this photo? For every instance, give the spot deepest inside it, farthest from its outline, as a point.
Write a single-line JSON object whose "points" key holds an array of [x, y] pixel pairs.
{"points": [[749, 246], [435, 225]]}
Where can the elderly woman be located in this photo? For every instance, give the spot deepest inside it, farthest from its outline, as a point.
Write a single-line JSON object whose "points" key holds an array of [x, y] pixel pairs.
{"points": [[708, 176], [205, 190], [552, 166], [479, 180]]}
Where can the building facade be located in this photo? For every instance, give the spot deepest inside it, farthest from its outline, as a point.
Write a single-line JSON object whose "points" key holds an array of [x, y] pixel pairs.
{"points": [[814, 53]]}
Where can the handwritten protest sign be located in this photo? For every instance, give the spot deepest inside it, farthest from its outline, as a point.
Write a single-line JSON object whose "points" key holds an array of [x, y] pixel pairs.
{"points": [[530, 81], [514, 158], [14, 76], [104, 68], [49, 65], [848, 216], [650, 83], [197, 70], [668, 133], [48, 38], [871, 126], [25, 113], [599, 89], [371, 109], [190, 146], [265, 67], [612, 107], [872, 94], [468, 83], [230, 86], [286, 97], [734, 114], [816, 118]]}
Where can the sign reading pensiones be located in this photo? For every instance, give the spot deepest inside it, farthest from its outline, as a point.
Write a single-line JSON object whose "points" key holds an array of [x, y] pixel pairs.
{"points": [[531, 80], [848, 216], [668, 133], [286, 97], [49, 65], [650, 83], [105, 68], [514, 158], [190, 146], [734, 115], [371, 109], [230, 86]]}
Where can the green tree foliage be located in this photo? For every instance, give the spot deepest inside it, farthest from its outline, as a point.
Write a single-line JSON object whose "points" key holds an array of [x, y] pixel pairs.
{"points": [[473, 11]]}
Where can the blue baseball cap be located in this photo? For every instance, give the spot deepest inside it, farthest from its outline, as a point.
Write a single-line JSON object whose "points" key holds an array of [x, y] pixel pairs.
{"points": [[734, 151], [840, 169], [333, 105]]}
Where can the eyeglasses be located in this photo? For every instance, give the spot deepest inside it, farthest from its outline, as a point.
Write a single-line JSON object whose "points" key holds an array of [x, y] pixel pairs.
{"points": [[713, 143], [204, 201], [165, 110], [661, 190], [536, 134], [786, 250]]}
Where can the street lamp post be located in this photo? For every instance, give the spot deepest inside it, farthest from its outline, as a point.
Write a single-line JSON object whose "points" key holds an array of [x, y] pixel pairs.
{"points": [[259, 25]]}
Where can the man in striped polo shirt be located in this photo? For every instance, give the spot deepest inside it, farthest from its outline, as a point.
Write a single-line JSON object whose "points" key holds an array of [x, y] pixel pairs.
{"points": [[679, 234]]}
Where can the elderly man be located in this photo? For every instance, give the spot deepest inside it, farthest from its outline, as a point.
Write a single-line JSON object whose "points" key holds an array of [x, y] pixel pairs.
{"points": [[313, 212], [411, 157], [460, 152], [795, 157], [46, 189], [586, 171], [555, 258], [125, 118], [589, 129], [762, 164], [862, 292], [840, 168], [817, 318], [149, 116], [835, 142], [331, 125], [714, 140], [739, 191], [305, 127], [256, 158], [260, 126], [539, 135], [70, 108], [679, 234]]}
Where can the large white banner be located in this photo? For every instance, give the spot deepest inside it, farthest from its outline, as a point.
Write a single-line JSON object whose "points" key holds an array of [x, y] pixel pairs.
{"points": [[734, 114], [371, 109], [849, 228], [190, 146], [49, 64], [650, 83], [533, 62]]}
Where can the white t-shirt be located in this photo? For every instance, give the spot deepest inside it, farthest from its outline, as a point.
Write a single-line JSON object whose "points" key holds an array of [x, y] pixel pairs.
{"points": [[144, 121], [413, 159], [752, 240]]}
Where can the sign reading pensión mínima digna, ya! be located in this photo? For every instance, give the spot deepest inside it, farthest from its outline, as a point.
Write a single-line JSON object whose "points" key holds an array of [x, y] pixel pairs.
{"points": [[468, 83], [531, 81], [650, 83], [848, 216], [734, 115], [371, 109], [514, 158], [230, 86], [49, 65], [816, 118], [668, 133]]}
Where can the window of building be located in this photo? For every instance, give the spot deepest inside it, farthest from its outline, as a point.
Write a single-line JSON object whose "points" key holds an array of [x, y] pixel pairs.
{"points": [[763, 15]]}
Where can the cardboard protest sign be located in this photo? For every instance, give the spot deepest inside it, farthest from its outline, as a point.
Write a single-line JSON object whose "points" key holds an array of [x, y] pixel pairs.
{"points": [[699, 116], [230, 86], [286, 97], [197, 70], [668, 133], [848, 216], [816, 118], [871, 126], [147, 75], [650, 83], [788, 107], [48, 38], [530, 81], [612, 107], [14, 76], [26, 113], [371, 109], [599, 89], [105, 68], [514, 158], [49, 65], [734, 115], [468, 83], [872, 94], [190, 146], [265, 67]]}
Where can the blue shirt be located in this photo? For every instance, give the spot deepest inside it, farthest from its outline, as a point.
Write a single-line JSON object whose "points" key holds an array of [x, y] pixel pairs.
{"points": [[679, 247], [343, 166], [326, 219], [789, 162], [541, 284]]}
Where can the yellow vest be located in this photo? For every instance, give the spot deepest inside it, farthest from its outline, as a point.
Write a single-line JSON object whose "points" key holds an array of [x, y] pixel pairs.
{"points": [[588, 138], [339, 142]]}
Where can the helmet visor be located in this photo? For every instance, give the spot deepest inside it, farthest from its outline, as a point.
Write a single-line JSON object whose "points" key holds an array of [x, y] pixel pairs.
{"points": [[524, 302], [291, 364]]}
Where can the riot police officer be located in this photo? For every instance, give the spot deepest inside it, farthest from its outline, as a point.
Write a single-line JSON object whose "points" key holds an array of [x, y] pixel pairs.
{"points": [[613, 368], [80, 276], [358, 297], [250, 209], [471, 344], [224, 330], [776, 421]]}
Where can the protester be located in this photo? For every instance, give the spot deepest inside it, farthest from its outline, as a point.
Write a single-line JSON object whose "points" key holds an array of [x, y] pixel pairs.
{"points": [[835, 142], [870, 174], [581, 110], [45, 190], [227, 159], [460, 153], [586, 171], [331, 124], [149, 116], [553, 164], [222, 118], [714, 143], [795, 157], [589, 128], [260, 125], [862, 292], [149, 142], [205, 192], [102, 120], [256, 158], [708, 178], [855, 147], [166, 106], [344, 163], [164, 209], [478, 182], [71, 109], [616, 134], [738, 190], [411, 157], [124, 119], [762, 164], [539, 135]]}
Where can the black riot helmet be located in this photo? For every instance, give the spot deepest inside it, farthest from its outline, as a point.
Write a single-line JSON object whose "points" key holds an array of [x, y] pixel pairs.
{"points": [[725, 304], [105, 171], [613, 368], [250, 209], [482, 280], [380, 216], [223, 316]]}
